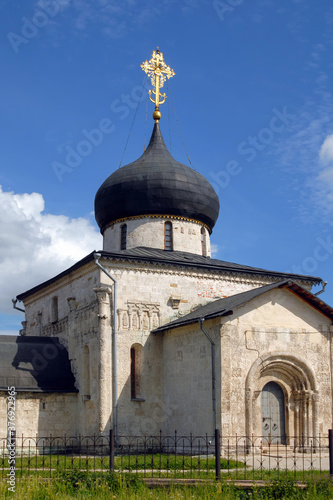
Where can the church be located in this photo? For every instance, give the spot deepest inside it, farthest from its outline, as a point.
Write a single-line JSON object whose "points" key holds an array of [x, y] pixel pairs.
{"points": [[152, 334]]}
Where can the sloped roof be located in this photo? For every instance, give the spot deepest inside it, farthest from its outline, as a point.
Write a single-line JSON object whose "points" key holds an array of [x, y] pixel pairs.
{"points": [[183, 259], [226, 306], [35, 364]]}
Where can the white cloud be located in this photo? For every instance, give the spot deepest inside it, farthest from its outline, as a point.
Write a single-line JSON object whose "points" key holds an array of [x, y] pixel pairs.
{"points": [[326, 150], [306, 154], [325, 177], [214, 249], [35, 246]]}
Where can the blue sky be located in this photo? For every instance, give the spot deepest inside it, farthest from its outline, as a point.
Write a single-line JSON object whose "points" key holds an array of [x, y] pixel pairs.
{"points": [[252, 95]]}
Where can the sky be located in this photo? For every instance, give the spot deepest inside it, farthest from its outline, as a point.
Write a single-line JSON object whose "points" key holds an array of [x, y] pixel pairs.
{"points": [[250, 105]]}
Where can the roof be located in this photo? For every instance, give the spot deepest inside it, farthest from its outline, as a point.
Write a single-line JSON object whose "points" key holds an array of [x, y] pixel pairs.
{"points": [[226, 306], [156, 184], [35, 364], [183, 259]]}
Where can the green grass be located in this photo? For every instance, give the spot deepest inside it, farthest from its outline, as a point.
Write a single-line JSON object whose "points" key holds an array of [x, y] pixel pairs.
{"points": [[130, 463], [93, 485]]}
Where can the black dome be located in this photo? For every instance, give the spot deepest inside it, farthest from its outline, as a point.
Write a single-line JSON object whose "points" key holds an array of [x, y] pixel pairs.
{"points": [[156, 184]]}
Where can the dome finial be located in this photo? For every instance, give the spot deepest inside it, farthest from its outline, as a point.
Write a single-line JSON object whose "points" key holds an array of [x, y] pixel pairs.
{"points": [[157, 71]]}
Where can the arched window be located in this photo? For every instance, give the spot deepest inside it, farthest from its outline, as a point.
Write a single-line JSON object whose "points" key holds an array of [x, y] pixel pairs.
{"points": [[133, 378], [123, 237], [54, 309], [168, 243], [136, 371], [203, 242]]}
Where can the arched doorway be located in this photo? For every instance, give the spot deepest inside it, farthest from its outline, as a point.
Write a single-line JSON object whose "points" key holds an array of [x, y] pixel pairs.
{"points": [[298, 384], [273, 414]]}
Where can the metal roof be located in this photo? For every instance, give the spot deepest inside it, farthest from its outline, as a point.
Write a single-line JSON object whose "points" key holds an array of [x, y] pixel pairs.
{"points": [[226, 306], [167, 258], [35, 364], [156, 184]]}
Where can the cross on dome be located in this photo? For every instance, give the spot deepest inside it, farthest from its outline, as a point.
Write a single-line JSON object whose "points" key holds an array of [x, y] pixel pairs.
{"points": [[158, 72]]}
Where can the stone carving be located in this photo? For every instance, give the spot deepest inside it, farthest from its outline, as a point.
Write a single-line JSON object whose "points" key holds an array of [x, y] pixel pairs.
{"points": [[139, 316], [54, 329]]}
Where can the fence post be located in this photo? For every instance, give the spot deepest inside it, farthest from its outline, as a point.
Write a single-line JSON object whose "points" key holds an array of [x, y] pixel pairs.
{"points": [[217, 454], [330, 448], [111, 450]]}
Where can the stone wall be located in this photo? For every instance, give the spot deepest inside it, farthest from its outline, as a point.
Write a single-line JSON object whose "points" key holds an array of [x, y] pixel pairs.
{"points": [[149, 295], [149, 232], [187, 380], [41, 414], [276, 337]]}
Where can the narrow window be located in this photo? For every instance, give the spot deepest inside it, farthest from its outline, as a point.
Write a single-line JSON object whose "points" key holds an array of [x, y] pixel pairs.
{"points": [[133, 381], [86, 372], [123, 237], [54, 311], [203, 242], [168, 244]]}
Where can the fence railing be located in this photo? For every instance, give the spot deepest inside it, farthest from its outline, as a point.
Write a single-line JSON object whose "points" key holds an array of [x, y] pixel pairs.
{"points": [[234, 457]]}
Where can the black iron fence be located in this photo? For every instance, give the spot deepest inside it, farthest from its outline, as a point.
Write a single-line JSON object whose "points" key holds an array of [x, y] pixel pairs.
{"points": [[233, 457]]}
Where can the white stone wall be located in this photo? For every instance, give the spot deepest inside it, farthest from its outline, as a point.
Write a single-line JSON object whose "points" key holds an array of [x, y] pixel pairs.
{"points": [[143, 283], [275, 337], [143, 415], [149, 232], [148, 295], [78, 285], [187, 380], [41, 414]]}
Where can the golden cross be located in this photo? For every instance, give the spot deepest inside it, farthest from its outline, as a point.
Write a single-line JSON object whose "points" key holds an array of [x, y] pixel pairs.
{"points": [[157, 71]]}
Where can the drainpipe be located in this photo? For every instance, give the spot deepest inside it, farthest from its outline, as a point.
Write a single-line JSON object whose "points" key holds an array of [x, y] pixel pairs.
{"points": [[201, 320], [323, 284], [15, 306], [331, 369], [97, 256]]}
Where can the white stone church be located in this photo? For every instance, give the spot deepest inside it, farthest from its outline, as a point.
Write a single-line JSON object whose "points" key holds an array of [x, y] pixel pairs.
{"points": [[152, 334]]}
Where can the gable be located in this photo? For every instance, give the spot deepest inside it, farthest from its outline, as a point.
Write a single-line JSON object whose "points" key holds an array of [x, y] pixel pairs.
{"points": [[280, 308], [228, 305]]}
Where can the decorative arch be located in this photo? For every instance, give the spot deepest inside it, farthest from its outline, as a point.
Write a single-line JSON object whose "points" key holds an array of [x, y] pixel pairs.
{"points": [[299, 387]]}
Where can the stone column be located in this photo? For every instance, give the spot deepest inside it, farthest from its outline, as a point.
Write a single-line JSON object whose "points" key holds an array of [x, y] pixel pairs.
{"points": [[297, 418], [315, 400], [104, 358]]}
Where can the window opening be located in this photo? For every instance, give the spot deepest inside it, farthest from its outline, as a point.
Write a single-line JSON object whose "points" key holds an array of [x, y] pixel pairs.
{"points": [[168, 243], [54, 312], [203, 242], [133, 381], [123, 237]]}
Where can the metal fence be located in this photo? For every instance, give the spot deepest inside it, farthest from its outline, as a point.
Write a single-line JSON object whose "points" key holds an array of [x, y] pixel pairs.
{"points": [[233, 457]]}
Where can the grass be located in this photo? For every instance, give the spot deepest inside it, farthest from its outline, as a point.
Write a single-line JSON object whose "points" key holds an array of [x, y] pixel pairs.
{"points": [[149, 462], [151, 465], [93, 485]]}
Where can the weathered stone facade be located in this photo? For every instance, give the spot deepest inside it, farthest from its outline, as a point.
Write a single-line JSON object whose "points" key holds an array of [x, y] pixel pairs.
{"points": [[142, 322], [188, 236], [271, 338]]}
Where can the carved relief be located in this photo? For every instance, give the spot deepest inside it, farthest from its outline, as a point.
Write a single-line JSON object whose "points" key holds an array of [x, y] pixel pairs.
{"points": [[54, 329], [139, 316]]}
